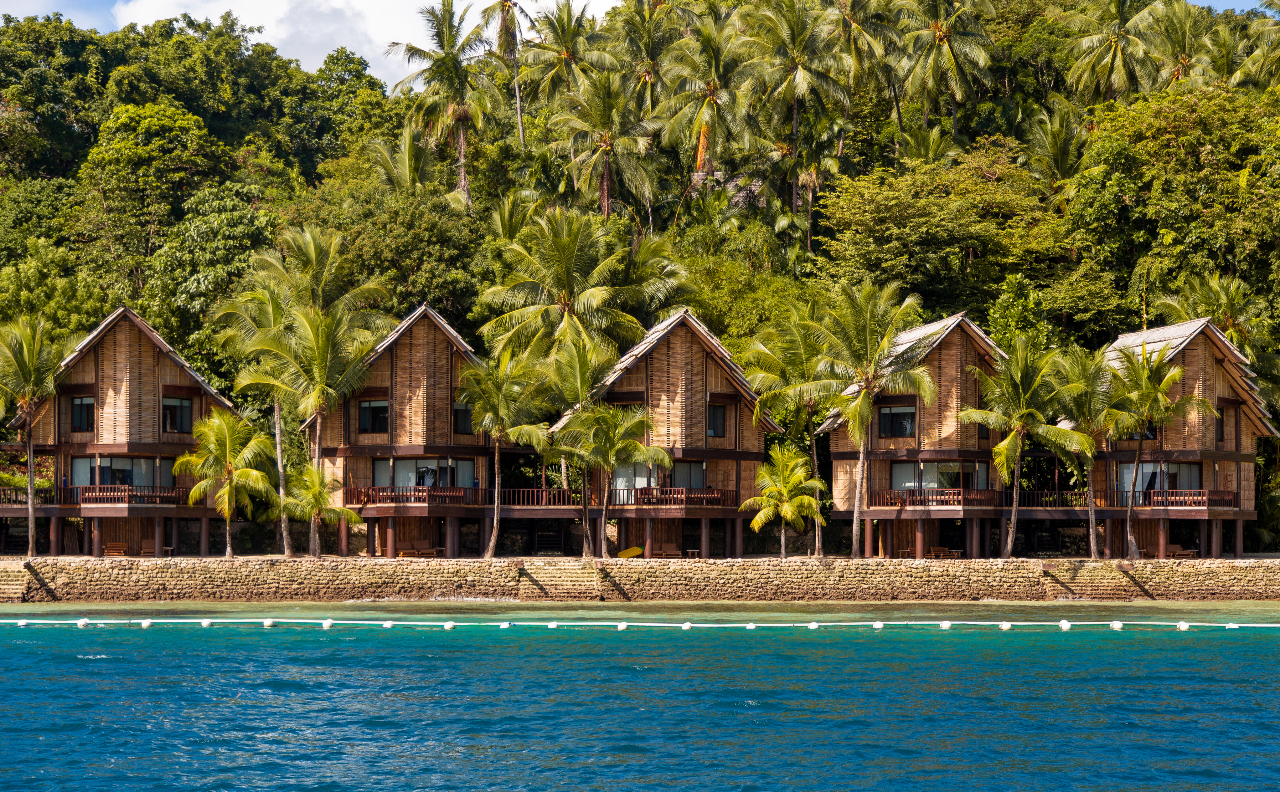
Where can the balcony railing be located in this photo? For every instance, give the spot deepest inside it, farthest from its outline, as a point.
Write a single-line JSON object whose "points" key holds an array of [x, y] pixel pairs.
{"points": [[453, 496], [17, 496], [893, 499], [1174, 499], [549, 496], [673, 496], [1052, 499], [97, 494]]}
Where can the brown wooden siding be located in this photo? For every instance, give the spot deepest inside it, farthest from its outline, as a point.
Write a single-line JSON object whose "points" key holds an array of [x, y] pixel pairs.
{"points": [[127, 386]]}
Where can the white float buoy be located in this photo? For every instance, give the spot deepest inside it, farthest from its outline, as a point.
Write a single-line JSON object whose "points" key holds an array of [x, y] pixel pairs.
{"points": [[622, 626], [326, 624], [944, 625], [1065, 625], [448, 625], [82, 623], [1183, 626], [504, 626], [552, 625], [1006, 626], [751, 626], [388, 625], [206, 623], [268, 623], [813, 625], [145, 624], [1233, 626], [686, 626], [22, 623], [1115, 625], [877, 625]]}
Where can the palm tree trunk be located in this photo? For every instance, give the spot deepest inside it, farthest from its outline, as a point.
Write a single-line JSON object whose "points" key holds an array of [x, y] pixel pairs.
{"points": [[31, 490], [784, 541], [857, 497], [515, 70], [1093, 521], [564, 473], [313, 541], [464, 186], [1007, 550], [497, 499], [588, 549], [227, 519], [315, 450], [795, 140], [604, 188], [813, 459], [286, 542], [1133, 489], [840, 145], [954, 108], [808, 229], [897, 106], [701, 160], [604, 517]]}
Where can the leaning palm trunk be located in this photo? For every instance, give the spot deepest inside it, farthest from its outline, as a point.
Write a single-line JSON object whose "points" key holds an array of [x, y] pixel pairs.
{"points": [[784, 541], [604, 518], [1093, 520], [813, 460], [497, 499], [286, 542], [515, 68], [230, 515], [464, 186], [313, 541], [859, 475], [588, 550], [1007, 550], [31, 489], [1128, 514]]}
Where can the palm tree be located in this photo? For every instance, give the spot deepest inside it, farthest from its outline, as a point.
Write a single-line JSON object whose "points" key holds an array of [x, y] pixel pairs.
{"points": [[574, 371], [929, 146], [606, 141], [316, 273], [865, 27], [261, 311], [787, 492], [653, 285], [565, 50], [560, 287], [457, 95], [784, 364], [644, 31], [1114, 61], [859, 334], [311, 498], [945, 52], [1083, 381], [507, 397], [508, 13], [1020, 399], [228, 452], [1144, 384], [708, 101], [29, 363], [609, 437], [407, 167], [1176, 34], [1224, 51], [799, 63], [1055, 141]]}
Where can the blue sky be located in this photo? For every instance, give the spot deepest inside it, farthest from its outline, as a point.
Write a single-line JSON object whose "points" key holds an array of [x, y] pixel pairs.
{"points": [[303, 29]]}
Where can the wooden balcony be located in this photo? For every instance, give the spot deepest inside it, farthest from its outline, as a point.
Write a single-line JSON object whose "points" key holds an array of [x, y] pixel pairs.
{"points": [[1174, 499], [552, 497], [119, 494], [673, 496], [451, 496], [930, 497], [17, 496]]}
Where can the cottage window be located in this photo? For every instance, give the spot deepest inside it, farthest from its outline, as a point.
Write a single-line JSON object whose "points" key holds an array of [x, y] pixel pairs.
{"points": [[626, 477], [374, 417], [715, 420], [984, 432], [898, 421], [462, 419], [688, 475], [902, 475], [82, 414], [125, 471], [81, 471], [175, 415], [1220, 428], [464, 473], [382, 472]]}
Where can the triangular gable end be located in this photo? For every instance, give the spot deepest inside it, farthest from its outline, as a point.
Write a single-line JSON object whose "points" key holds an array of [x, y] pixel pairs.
{"points": [[413, 318]]}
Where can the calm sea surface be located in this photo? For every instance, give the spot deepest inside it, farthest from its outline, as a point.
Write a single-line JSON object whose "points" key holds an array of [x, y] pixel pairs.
{"points": [[364, 708]]}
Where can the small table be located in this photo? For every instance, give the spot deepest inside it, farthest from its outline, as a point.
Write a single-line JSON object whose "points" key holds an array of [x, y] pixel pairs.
{"points": [[693, 553]]}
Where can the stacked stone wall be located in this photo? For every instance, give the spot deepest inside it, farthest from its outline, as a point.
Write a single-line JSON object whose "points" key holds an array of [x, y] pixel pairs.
{"points": [[572, 580]]}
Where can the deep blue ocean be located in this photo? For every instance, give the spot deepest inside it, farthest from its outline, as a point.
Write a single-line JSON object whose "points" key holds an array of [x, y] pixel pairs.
{"points": [[180, 707]]}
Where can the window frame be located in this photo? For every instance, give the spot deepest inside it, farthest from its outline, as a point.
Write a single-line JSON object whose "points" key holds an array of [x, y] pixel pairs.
{"points": [[81, 407], [465, 427], [182, 407], [365, 416], [885, 427], [717, 420]]}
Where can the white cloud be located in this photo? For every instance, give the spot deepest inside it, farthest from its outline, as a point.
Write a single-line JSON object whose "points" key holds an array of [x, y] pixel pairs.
{"points": [[310, 29]]}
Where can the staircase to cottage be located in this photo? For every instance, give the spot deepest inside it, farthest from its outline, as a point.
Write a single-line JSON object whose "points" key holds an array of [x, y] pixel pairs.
{"points": [[570, 580], [13, 581], [547, 541]]}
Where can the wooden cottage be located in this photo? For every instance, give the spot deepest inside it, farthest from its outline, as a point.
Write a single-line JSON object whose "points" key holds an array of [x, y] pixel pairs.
{"points": [[123, 414], [702, 409], [924, 468], [1198, 468], [404, 448]]}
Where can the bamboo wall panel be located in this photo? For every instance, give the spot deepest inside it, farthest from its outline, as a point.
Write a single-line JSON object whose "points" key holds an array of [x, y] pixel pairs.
{"points": [[840, 440], [750, 434], [676, 391], [411, 356], [332, 468], [1247, 486], [720, 474], [358, 471], [128, 386], [632, 380], [748, 488], [44, 423], [717, 379], [379, 373], [82, 373], [842, 483], [130, 530], [730, 427], [331, 428]]}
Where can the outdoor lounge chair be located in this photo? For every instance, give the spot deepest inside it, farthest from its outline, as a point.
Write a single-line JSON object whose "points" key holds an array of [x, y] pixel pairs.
{"points": [[667, 550], [1178, 551], [116, 549], [942, 553]]}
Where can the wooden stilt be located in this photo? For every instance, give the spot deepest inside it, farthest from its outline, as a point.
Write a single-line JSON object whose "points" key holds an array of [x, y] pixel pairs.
{"points": [[1215, 541], [97, 537], [1204, 539], [204, 535], [704, 550], [648, 537], [1106, 537], [174, 531], [1162, 539], [919, 540], [868, 541], [159, 537], [451, 536], [739, 547], [344, 538], [486, 529], [391, 538], [1239, 538], [622, 533], [55, 536]]}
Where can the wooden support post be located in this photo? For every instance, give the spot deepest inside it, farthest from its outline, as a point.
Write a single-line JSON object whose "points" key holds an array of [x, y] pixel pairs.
{"points": [[622, 533], [204, 536], [344, 538], [1106, 537], [1215, 541], [486, 529], [1239, 538], [1162, 539], [886, 538], [175, 532], [728, 538], [704, 549], [1204, 539], [55, 536], [739, 547], [919, 540], [455, 535], [648, 537], [868, 541], [97, 537], [159, 536], [390, 541]]}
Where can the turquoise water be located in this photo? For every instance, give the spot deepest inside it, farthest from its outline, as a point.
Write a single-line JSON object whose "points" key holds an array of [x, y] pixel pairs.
{"points": [[364, 708]]}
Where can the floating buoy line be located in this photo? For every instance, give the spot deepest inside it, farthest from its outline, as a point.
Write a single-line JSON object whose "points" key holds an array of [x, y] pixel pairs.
{"points": [[327, 624]]}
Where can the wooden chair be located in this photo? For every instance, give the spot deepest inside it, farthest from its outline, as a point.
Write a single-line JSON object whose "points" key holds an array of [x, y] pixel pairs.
{"points": [[426, 549], [149, 550], [1178, 551], [116, 549], [942, 553], [667, 550]]}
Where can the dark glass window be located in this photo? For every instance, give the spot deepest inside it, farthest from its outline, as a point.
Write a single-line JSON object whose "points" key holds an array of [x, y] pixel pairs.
{"points": [[984, 432], [462, 419], [688, 475], [175, 415], [898, 421], [374, 417], [715, 420], [82, 414], [1220, 428]]}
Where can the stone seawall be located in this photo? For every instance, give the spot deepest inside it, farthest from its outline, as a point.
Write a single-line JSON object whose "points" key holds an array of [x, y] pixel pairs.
{"points": [[75, 579]]}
